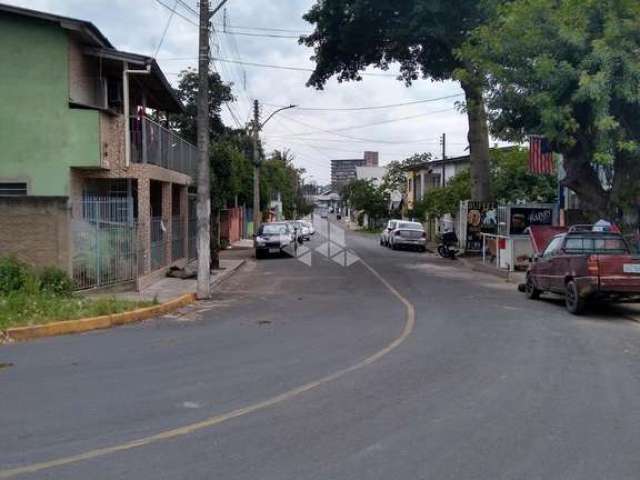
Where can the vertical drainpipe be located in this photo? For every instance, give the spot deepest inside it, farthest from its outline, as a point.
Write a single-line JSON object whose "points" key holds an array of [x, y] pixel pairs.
{"points": [[127, 125]]}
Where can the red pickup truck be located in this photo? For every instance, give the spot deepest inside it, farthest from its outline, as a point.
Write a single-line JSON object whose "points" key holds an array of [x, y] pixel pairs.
{"points": [[584, 265]]}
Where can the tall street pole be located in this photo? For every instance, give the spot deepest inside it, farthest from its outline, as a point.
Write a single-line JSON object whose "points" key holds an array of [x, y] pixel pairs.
{"points": [[257, 214], [204, 199], [257, 126]]}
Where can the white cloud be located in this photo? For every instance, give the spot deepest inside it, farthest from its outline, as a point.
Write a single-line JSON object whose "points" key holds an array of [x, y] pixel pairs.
{"points": [[137, 26]]}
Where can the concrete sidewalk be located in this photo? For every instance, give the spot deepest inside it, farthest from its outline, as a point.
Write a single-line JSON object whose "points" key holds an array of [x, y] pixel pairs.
{"points": [[475, 263], [168, 288]]}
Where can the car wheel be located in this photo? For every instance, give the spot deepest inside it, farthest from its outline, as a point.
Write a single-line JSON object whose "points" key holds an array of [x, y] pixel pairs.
{"points": [[423, 249], [258, 255], [381, 243], [530, 289], [574, 302]]}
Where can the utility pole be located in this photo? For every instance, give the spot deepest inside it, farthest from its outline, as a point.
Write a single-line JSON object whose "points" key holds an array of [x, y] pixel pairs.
{"points": [[443, 142], [257, 126], [257, 214], [204, 198]]}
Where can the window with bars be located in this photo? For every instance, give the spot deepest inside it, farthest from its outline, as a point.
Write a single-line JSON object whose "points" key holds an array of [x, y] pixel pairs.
{"points": [[12, 189]]}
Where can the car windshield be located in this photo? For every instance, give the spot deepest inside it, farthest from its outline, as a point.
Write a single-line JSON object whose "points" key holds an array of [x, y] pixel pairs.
{"points": [[604, 244], [410, 225], [274, 229]]}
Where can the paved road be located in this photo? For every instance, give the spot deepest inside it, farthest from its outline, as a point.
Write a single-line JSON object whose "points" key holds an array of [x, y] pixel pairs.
{"points": [[484, 386]]}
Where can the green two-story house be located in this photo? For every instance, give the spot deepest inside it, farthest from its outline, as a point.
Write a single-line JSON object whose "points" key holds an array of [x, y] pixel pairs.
{"points": [[88, 181]]}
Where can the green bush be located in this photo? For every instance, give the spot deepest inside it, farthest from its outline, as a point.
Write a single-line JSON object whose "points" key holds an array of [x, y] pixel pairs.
{"points": [[55, 281], [14, 274]]}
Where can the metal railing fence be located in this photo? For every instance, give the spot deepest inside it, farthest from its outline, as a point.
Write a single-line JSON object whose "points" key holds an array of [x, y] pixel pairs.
{"points": [[152, 143], [177, 238], [158, 243], [105, 239]]}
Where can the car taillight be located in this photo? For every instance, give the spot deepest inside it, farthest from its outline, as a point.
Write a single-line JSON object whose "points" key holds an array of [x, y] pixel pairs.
{"points": [[397, 234], [424, 235], [593, 266]]}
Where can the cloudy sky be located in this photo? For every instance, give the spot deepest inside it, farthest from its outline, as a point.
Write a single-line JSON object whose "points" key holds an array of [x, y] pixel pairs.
{"points": [[265, 32]]}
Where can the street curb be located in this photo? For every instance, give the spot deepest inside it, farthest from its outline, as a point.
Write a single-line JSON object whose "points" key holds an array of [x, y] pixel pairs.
{"points": [[227, 273], [65, 327], [488, 270]]}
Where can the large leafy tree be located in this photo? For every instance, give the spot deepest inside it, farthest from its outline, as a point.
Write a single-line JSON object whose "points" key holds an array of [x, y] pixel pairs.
{"points": [[365, 196], [395, 177], [423, 36], [187, 92], [279, 175], [511, 182], [570, 70]]}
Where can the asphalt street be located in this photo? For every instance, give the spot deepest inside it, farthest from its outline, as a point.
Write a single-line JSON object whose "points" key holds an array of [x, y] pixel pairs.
{"points": [[487, 385]]}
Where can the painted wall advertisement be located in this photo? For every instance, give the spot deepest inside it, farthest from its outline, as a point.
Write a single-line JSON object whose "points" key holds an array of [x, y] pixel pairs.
{"points": [[524, 217], [481, 218]]}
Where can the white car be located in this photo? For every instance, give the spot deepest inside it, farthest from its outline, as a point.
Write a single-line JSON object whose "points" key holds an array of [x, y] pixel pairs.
{"points": [[309, 225], [384, 236], [302, 228], [408, 234]]}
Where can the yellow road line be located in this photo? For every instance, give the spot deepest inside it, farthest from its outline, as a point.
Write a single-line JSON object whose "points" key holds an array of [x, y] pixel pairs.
{"points": [[215, 420]]}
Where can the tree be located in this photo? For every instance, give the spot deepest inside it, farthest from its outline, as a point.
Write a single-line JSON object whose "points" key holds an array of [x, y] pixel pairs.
{"points": [[442, 200], [279, 175], [511, 182], [187, 92], [364, 196], [395, 177], [570, 70], [423, 36]]}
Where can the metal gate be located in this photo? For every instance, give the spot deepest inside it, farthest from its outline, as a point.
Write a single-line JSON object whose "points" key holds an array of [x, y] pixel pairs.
{"points": [[105, 239]]}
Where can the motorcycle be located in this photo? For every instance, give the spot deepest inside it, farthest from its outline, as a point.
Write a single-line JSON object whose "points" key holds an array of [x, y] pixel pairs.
{"points": [[447, 249]]}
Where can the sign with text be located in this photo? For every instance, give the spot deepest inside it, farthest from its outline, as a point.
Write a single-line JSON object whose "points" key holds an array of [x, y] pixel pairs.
{"points": [[523, 217]]}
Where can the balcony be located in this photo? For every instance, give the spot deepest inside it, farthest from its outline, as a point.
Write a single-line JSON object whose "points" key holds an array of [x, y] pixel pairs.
{"points": [[154, 144]]}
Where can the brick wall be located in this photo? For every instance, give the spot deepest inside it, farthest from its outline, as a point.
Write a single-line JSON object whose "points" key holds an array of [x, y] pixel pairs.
{"points": [[36, 230]]}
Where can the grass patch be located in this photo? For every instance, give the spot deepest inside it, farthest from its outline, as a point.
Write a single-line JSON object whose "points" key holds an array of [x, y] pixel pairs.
{"points": [[20, 308]]}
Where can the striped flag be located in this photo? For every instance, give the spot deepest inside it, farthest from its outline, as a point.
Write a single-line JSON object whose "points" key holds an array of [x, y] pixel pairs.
{"points": [[540, 155]]}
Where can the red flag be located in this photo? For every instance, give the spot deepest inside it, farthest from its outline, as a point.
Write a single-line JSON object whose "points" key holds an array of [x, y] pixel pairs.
{"points": [[540, 156]]}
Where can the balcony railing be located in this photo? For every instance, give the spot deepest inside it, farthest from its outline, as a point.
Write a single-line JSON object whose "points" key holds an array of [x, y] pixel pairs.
{"points": [[154, 144]]}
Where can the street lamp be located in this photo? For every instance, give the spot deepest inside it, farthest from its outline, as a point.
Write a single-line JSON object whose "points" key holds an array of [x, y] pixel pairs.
{"points": [[257, 126]]}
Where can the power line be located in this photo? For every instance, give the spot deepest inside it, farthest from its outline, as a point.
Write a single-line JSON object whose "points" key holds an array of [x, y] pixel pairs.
{"points": [[266, 65], [262, 35], [357, 139], [187, 7], [166, 28], [383, 122], [184, 17], [375, 107], [266, 29]]}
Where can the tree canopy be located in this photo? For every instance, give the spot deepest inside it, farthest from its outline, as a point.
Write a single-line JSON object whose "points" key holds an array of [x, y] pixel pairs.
{"points": [[511, 182], [570, 70], [279, 175], [187, 91], [423, 36], [365, 196]]}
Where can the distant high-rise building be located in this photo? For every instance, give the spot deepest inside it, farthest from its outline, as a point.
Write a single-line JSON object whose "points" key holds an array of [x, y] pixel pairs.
{"points": [[344, 171]]}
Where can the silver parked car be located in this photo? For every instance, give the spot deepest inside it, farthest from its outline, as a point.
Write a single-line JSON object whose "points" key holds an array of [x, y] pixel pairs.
{"points": [[274, 237], [384, 236], [408, 235]]}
